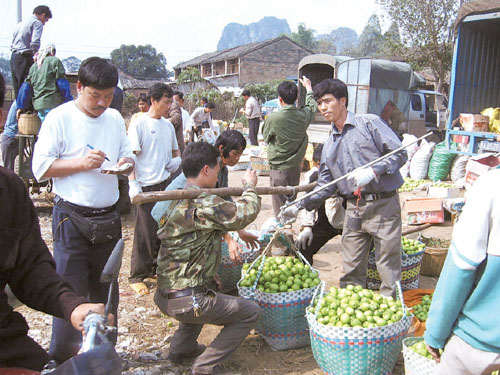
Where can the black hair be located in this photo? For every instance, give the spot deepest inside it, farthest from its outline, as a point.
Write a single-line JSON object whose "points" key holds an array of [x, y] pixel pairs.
{"points": [[157, 91], [179, 94], [2, 90], [143, 98], [210, 105], [196, 155], [204, 99], [331, 86], [98, 73], [317, 153], [43, 9], [287, 91], [245, 93], [230, 140]]}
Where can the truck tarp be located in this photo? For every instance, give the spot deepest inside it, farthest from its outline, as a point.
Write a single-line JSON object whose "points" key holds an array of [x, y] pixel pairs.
{"points": [[476, 7], [393, 75]]}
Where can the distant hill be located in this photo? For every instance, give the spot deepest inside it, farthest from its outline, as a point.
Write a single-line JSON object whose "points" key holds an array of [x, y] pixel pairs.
{"points": [[71, 64], [235, 34], [344, 39]]}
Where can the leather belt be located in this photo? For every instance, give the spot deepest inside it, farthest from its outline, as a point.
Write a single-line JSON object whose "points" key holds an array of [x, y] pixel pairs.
{"points": [[84, 211], [372, 196], [169, 294]]}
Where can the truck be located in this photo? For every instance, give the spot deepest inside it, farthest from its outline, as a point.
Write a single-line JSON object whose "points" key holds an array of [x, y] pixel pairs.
{"points": [[475, 76], [389, 89]]}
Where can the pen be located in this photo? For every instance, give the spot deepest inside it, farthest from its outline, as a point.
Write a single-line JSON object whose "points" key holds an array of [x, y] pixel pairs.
{"points": [[92, 148]]}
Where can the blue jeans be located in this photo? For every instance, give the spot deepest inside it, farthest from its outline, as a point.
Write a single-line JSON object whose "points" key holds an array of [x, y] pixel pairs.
{"points": [[80, 263]]}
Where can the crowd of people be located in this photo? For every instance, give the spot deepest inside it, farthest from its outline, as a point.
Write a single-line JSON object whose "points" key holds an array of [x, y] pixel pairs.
{"points": [[83, 146]]}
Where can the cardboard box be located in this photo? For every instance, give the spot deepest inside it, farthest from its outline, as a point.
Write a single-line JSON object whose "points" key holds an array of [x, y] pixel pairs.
{"points": [[424, 210], [443, 192], [478, 165], [474, 123]]}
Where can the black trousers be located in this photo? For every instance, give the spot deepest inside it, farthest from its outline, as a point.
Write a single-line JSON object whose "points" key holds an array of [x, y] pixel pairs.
{"points": [[146, 243], [322, 233], [20, 66], [253, 130]]}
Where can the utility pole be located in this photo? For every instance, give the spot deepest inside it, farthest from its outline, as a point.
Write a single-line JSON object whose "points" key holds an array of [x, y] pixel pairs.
{"points": [[19, 11]]}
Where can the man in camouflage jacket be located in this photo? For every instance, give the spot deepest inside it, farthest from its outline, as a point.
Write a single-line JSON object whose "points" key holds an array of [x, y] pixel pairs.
{"points": [[190, 233]]}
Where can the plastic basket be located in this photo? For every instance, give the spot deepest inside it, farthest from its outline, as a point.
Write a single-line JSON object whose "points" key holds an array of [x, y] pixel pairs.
{"points": [[282, 323], [357, 351], [410, 270], [433, 261], [230, 272], [415, 364], [260, 164], [29, 124]]}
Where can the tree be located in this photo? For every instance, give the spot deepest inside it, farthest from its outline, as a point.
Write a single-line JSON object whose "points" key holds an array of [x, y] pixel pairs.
{"points": [[304, 36], [140, 61], [391, 43], [371, 37], [264, 91], [190, 74], [5, 69], [426, 32], [325, 45]]}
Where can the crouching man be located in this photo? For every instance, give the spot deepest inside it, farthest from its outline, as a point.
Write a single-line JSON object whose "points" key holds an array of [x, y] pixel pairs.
{"points": [[190, 253]]}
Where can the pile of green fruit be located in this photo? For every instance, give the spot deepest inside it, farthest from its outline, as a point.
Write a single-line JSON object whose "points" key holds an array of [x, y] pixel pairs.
{"points": [[411, 184], [436, 242], [442, 184], [354, 306], [421, 349], [411, 246], [280, 275], [422, 310]]}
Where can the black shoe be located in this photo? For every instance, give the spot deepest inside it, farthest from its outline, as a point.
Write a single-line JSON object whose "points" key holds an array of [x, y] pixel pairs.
{"points": [[49, 367], [181, 357]]}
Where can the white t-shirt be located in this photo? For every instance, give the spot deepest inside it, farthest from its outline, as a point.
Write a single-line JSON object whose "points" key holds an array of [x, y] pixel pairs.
{"points": [[186, 120], [65, 134], [152, 140]]}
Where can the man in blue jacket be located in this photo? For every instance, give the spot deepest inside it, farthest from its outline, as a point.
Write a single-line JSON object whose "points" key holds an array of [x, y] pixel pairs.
{"points": [[463, 317]]}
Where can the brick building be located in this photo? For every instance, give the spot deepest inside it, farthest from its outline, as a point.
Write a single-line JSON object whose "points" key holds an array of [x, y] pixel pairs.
{"points": [[259, 62]]}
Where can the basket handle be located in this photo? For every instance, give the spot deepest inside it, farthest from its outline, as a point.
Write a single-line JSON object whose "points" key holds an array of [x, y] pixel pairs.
{"points": [[399, 294], [321, 291]]}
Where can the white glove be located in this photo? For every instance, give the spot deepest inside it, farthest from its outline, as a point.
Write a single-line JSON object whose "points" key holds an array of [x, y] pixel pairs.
{"points": [[304, 238], [363, 176], [134, 188], [173, 164], [290, 213]]}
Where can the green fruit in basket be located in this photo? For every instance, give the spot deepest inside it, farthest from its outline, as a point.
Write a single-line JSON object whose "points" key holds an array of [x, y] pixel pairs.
{"points": [[421, 349], [421, 310], [357, 307], [411, 246]]}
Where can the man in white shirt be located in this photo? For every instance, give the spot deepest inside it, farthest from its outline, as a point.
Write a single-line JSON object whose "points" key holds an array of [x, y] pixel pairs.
{"points": [[252, 113], [186, 118], [153, 141], [201, 118], [81, 146]]}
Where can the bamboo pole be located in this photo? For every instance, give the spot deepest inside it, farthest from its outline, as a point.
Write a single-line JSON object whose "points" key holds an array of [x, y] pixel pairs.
{"points": [[168, 195]]}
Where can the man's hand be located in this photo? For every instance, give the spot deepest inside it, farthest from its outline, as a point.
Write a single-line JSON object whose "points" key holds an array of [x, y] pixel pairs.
{"points": [[19, 113], [434, 352], [250, 177], [290, 213], [304, 238], [124, 161], [134, 188], [247, 237], [306, 82], [363, 176], [242, 110], [234, 248], [81, 311], [93, 160]]}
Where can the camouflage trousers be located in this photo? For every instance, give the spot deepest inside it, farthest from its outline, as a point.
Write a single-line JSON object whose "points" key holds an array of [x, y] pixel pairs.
{"points": [[236, 314]]}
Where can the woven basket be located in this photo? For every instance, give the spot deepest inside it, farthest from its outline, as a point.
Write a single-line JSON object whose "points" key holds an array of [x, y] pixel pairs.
{"points": [[410, 271], [260, 164], [433, 261], [357, 351], [415, 364], [230, 272], [282, 323], [29, 124]]}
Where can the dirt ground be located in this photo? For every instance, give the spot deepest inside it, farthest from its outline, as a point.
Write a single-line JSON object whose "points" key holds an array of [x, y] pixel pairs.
{"points": [[145, 334]]}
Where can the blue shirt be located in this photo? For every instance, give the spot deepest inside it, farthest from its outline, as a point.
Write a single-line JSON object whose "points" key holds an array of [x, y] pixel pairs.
{"points": [[10, 128], [27, 36], [363, 139]]}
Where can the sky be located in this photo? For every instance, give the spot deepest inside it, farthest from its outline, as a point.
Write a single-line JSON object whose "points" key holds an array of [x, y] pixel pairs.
{"points": [[181, 30]]}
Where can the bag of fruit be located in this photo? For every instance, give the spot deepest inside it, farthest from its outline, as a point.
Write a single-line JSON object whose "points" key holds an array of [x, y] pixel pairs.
{"points": [[418, 360], [229, 271], [357, 331], [283, 287], [412, 252]]}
